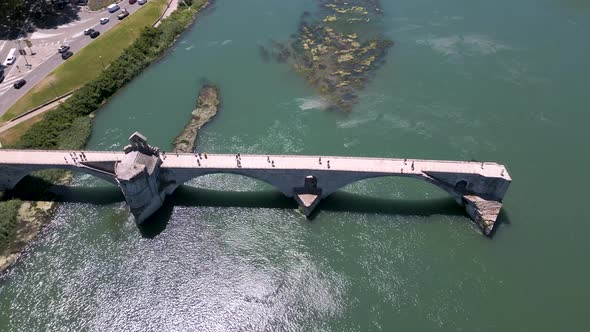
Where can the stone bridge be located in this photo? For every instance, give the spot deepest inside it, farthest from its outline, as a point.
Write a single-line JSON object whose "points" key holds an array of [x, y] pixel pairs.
{"points": [[146, 175]]}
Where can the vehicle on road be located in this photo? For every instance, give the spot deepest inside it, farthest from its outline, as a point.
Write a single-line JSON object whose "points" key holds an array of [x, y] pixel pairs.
{"points": [[94, 34], [11, 57], [66, 55], [141, 2], [124, 13], [104, 20], [63, 48], [88, 31], [132, 1], [1, 75], [113, 8], [19, 84]]}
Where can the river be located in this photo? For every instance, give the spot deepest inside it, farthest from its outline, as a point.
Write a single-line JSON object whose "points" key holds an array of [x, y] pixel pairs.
{"points": [[502, 81]]}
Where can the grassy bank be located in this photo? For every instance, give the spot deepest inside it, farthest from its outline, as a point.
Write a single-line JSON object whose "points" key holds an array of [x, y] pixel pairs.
{"points": [[70, 124], [99, 4], [86, 64]]}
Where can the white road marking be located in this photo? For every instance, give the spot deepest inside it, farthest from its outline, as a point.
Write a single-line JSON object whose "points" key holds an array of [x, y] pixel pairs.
{"points": [[9, 80], [3, 43], [41, 35], [74, 23]]}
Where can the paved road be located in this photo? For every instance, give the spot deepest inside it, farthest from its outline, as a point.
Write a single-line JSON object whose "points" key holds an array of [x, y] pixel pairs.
{"points": [[47, 41]]}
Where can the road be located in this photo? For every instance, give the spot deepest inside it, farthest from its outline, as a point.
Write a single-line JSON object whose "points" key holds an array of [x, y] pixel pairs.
{"points": [[45, 44]]}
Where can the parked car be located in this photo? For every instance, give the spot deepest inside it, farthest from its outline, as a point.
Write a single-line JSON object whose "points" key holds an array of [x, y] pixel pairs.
{"points": [[66, 55], [113, 8], [104, 20], [19, 84], [124, 13], [94, 34], [141, 2], [63, 48], [132, 1], [88, 31]]}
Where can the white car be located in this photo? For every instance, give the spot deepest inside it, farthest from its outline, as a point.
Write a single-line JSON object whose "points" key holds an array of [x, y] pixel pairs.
{"points": [[104, 20], [63, 48], [10, 60], [141, 2]]}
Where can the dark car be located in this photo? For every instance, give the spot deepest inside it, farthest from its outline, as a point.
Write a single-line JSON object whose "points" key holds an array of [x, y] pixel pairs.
{"points": [[123, 14], [132, 1], [1, 75], [66, 55], [19, 84], [94, 34]]}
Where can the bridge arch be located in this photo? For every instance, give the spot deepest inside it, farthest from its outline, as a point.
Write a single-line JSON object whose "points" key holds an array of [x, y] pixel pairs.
{"points": [[10, 176], [286, 183]]}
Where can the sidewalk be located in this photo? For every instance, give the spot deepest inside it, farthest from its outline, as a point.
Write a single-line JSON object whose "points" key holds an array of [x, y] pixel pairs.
{"points": [[31, 115]]}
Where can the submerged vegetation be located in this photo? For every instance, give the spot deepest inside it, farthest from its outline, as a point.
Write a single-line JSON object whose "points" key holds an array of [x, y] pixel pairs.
{"points": [[337, 49]]}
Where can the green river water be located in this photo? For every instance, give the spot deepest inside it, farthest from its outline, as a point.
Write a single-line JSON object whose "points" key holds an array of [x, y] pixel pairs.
{"points": [[502, 81]]}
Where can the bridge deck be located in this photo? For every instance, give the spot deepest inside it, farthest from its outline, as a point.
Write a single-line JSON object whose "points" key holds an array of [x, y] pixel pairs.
{"points": [[225, 161]]}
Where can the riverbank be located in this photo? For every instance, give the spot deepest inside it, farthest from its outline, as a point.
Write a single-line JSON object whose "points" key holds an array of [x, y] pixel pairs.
{"points": [[206, 108], [70, 124], [87, 64]]}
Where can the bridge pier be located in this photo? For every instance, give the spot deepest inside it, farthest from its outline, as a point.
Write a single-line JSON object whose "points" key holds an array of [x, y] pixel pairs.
{"points": [[483, 213], [138, 175], [308, 196]]}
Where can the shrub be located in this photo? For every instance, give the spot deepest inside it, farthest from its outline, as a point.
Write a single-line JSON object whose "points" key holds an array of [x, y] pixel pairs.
{"points": [[8, 213]]}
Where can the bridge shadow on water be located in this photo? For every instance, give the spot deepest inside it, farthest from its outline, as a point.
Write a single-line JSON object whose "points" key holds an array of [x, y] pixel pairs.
{"points": [[197, 197]]}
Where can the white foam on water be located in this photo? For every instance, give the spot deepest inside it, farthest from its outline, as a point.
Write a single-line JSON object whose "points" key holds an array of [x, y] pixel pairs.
{"points": [[189, 47], [351, 143], [309, 103], [225, 42], [356, 122], [464, 45]]}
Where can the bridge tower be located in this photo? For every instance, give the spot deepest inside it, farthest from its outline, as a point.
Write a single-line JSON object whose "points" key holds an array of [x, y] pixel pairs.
{"points": [[138, 175]]}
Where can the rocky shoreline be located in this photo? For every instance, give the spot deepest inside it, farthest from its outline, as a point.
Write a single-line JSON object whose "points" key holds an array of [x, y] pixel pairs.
{"points": [[32, 217], [207, 106]]}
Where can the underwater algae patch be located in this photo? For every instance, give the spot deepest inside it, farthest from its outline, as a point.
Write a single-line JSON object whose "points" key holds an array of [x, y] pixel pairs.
{"points": [[337, 49]]}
